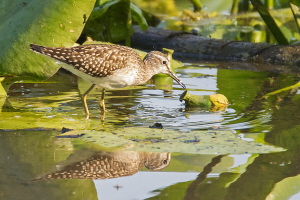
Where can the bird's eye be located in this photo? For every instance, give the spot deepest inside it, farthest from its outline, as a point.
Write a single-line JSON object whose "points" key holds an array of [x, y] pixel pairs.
{"points": [[164, 62]]}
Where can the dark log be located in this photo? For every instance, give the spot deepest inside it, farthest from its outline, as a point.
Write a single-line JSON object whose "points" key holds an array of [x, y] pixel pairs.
{"points": [[195, 48]]}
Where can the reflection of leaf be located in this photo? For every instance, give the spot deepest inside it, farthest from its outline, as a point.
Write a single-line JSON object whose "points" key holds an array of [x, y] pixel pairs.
{"points": [[295, 87], [195, 162], [196, 142], [50, 23], [286, 188]]}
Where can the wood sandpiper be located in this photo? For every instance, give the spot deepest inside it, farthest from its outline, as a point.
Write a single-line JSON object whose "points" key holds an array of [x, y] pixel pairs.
{"points": [[108, 66]]}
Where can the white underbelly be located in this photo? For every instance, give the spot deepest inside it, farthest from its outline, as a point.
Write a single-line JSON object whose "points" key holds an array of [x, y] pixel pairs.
{"points": [[121, 78]]}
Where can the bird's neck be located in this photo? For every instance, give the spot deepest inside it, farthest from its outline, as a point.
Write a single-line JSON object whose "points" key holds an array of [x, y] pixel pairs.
{"points": [[145, 73]]}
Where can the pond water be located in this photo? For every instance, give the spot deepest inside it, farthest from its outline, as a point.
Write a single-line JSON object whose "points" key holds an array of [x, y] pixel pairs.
{"points": [[36, 164]]}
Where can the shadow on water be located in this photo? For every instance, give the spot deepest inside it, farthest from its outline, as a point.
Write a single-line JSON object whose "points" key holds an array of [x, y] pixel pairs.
{"points": [[35, 164]]}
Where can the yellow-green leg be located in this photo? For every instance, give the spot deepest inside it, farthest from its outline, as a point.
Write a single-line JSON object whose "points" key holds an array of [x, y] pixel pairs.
{"points": [[102, 104], [84, 96]]}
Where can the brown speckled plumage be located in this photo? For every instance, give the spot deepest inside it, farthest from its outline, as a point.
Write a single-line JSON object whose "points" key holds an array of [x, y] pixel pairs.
{"points": [[97, 60]]}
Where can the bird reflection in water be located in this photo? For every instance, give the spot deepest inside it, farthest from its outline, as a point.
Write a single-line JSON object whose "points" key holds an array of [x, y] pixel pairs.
{"points": [[105, 165]]}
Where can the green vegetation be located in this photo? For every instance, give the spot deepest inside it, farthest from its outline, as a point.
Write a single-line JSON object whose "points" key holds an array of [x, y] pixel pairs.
{"points": [[49, 23], [270, 22], [112, 21]]}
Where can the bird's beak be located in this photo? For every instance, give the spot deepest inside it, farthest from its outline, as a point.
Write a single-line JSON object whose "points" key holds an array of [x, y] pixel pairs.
{"points": [[176, 79]]}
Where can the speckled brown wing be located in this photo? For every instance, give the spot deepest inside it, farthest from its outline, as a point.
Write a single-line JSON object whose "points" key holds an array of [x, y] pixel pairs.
{"points": [[97, 60]]}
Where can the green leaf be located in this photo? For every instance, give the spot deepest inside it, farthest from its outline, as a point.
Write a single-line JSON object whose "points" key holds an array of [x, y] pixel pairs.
{"points": [[50, 23], [112, 21], [160, 140], [295, 10], [99, 11], [270, 22], [119, 19], [138, 16], [195, 100], [295, 2]]}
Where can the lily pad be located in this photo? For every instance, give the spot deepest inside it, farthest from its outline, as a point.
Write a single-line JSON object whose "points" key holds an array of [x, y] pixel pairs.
{"points": [[49, 23], [160, 140]]}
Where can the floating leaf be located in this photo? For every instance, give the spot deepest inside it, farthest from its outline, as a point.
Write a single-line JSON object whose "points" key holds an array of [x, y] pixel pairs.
{"points": [[160, 140], [214, 102], [218, 100], [195, 100]]}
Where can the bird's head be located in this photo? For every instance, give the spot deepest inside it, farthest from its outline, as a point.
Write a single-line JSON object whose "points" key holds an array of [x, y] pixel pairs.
{"points": [[160, 63]]}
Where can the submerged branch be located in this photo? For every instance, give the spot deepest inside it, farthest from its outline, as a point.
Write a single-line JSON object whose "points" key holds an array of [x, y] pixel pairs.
{"points": [[196, 48]]}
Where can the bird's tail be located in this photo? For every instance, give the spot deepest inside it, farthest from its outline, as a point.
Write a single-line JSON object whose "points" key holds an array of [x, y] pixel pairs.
{"points": [[47, 51], [37, 48]]}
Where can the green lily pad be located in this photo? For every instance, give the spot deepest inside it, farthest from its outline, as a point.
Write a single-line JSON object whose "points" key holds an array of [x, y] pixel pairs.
{"points": [[159, 140], [49, 23]]}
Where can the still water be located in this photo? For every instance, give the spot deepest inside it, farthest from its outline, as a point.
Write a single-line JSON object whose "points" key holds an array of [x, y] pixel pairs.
{"points": [[36, 164]]}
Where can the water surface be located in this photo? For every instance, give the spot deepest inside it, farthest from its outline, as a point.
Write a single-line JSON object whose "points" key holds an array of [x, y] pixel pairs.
{"points": [[34, 113]]}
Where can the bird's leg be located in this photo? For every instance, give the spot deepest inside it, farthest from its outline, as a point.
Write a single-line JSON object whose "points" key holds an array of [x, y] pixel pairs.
{"points": [[86, 109], [102, 104]]}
